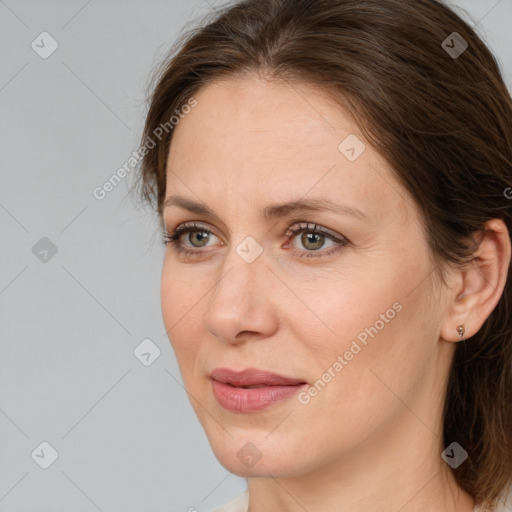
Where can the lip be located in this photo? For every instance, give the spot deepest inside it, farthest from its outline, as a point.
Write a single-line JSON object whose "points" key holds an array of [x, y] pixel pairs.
{"points": [[230, 393], [252, 377]]}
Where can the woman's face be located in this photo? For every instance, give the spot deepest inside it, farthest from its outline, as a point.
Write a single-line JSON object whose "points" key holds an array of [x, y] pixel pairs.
{"points": [[352, 311]]}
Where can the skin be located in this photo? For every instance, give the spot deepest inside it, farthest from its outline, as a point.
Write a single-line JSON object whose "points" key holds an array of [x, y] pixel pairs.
{"points": [[371, 438]]}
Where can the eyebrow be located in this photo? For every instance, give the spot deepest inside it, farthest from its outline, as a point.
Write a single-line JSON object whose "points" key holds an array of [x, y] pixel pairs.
{"points": [[275, 210]]}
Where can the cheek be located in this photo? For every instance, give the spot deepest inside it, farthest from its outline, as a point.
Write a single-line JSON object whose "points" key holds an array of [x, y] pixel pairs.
{"points": [[181, 308], [353, 397], [370, 320], [335, 310], [180, 293]]}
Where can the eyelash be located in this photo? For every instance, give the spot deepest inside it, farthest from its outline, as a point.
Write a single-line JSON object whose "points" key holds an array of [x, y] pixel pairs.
{"points": [[172, 239]]}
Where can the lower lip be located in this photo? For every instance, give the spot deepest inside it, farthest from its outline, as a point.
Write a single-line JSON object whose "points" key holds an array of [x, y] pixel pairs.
{"points": [[255, 399]]}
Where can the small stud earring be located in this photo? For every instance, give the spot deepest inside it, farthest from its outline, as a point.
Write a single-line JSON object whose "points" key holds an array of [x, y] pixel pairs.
{"points": [[461, 330]]}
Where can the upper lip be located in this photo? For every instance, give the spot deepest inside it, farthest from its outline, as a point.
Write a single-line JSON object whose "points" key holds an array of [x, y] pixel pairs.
{"points": [[252, 377]]}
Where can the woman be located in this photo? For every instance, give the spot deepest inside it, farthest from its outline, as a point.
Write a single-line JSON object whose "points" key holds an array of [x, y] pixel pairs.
{"points": [[336, 205]]}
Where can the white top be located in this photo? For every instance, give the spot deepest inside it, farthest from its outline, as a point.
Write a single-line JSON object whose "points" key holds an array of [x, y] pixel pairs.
{"points": [[238, 504], [241, 504]]}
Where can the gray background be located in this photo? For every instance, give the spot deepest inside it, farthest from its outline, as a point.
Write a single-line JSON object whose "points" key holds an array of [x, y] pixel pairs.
{"points": [[126, 435]]}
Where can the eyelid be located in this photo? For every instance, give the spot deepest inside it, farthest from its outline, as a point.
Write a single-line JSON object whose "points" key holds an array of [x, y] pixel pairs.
{"points": [[299, 226], [193, 225]]}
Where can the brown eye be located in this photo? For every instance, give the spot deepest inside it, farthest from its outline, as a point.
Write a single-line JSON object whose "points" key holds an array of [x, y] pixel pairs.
{"points": [[313, 239], [201, 237], [189, 237], [316, 240]]}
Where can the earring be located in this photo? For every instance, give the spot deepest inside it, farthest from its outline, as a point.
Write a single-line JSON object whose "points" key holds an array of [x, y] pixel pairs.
{"points": [[461, 330]]}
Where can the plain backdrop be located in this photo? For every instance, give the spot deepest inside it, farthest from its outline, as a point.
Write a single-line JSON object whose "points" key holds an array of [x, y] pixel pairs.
{"points": [[80, 276]]}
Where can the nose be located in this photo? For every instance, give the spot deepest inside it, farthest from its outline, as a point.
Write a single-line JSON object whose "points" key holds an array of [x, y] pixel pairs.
{"points": [[241, 306]]}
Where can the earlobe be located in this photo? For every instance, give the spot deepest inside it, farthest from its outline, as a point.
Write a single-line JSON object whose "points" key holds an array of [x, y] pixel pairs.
{"points": [[482, 282]]}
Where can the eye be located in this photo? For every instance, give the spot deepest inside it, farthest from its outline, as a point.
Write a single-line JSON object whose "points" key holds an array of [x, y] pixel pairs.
{"points": [[312, 239], [199, 239]]}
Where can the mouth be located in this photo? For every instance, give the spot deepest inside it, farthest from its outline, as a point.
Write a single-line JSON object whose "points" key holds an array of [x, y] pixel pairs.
{"points": [[252, 389]]}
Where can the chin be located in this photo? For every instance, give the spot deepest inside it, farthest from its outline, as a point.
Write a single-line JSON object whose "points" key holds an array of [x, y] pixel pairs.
{"points": [[263, 468], [254, 455]]}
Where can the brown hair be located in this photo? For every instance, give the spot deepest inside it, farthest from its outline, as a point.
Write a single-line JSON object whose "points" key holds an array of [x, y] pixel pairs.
{"points": [[442, 120]]}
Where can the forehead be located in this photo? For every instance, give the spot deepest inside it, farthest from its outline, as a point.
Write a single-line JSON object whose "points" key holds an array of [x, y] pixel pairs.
{"points": [[245, 112], [266, 139]]}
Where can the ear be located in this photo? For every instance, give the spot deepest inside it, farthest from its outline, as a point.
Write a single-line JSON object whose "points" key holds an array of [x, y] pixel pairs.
{"points": [[480, 284]]}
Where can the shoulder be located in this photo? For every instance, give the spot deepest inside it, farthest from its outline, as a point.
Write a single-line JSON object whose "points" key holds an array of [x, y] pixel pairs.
{"points": [[504, 502], [239, 504]]}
